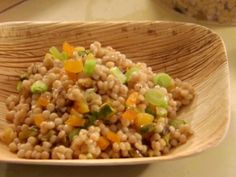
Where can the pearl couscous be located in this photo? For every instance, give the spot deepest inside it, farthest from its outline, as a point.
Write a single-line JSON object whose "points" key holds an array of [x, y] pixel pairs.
{"points": [[94, 104]]}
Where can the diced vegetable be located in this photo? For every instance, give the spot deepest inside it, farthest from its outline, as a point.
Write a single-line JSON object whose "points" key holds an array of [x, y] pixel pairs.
{"points": [[163, 80], [73, 133], [113, 137], [177, 122], [148, 128], [89, 56], [129, 73], [38, 87], [72, 76], [156, 97], [103, 143], [75, 121], [79, 49], [7, 135], [43, 101], [105, 111], [161, 112], [143, 119], [38, 119], [132, 99], [19, 86], [81, 106], [151, 109], [167, 138], [68, 49], [58, 55], [73, 66], [90, 119], [27, 132], [130, 115], [135, 153], [119, 75], [89, 66]]}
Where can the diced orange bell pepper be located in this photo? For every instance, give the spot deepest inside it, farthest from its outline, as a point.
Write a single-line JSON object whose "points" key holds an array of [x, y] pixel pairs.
{"points": [[73, 66], [69, 49], [72, 76], [130, 115], [113, 137], [75, 121], [43, 101], [143, 119], [38, 119], [81, 106], [132, 99], [103, 143]]}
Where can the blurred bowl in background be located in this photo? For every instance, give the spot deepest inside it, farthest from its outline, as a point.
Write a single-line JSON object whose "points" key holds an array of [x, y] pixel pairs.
{"points": [[220, 11]]}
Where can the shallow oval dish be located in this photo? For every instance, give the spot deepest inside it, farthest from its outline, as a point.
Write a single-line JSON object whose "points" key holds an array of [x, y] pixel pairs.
{"points": [[187, 51]]}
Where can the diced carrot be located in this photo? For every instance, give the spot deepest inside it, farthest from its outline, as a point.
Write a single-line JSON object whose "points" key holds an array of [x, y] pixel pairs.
{"points": [[132, 99], [38, 119], [103, 143], [75, 121], [43, 101], [72, 76], [130, 115], [81, 106], [69, 49], [143, 119], [113, 137], [73, 66]]}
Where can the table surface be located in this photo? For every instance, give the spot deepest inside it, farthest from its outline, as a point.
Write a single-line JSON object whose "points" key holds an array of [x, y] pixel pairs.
{"points": [[218, 162]]}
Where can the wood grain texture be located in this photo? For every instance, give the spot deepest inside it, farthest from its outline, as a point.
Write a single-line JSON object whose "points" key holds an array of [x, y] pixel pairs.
{"points": [[187, 51], [8, 4]]}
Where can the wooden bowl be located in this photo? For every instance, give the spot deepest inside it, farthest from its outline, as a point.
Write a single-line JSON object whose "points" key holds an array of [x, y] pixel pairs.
{"points": [[187, 51]]}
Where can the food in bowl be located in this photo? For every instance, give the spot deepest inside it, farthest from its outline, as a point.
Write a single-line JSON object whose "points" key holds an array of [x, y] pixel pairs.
{"points": [[95, 104]]}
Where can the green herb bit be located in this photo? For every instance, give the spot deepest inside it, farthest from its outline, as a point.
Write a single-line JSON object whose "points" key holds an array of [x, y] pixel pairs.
{"points": [[73, 133], [147, 128], [38, 87], [129, 72], [89, 66], [105, 111], [177, 122], [161, 112], [19, 86], [57, 54]]}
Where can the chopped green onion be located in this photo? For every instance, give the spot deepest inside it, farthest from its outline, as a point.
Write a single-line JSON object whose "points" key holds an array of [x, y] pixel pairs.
{"points": [[105, 111], [156, 97], [150, 110], [129, 73], [120, 76], [163, 80], [167, 138], [89, 66], [161, 112], [19, 86], [147, 128], [38, 87], [57, 54], [83, 53], [73, 133], [177, 122]]}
